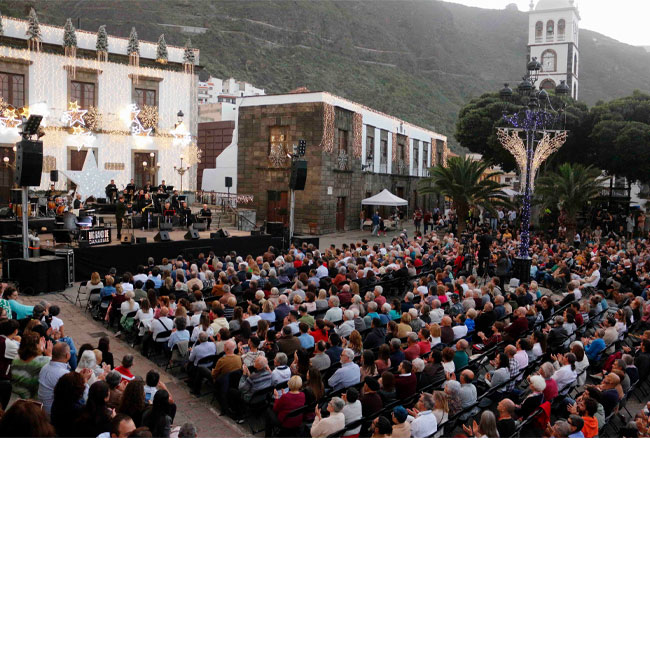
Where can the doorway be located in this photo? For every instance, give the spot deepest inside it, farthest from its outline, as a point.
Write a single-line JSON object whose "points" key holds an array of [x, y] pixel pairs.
{"points": [[340, 213], [277, 205]]}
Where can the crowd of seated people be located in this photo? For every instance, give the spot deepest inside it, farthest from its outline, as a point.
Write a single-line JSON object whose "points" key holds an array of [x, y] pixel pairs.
{"points": [[51, 387], [400, 338]]}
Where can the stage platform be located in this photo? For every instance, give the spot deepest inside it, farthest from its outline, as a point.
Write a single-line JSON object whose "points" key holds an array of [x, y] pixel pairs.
{"points": [[126, 257]]}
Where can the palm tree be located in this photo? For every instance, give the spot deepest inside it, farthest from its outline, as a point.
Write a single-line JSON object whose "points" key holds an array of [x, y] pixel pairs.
{"points": [[570, 187], [466, 182]]}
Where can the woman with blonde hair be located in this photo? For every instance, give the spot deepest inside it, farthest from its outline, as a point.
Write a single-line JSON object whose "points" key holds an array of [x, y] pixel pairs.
{"points": [[404, 326], [268, 311], [441, 406], [436, 332], [355, 343], [322, 302]]}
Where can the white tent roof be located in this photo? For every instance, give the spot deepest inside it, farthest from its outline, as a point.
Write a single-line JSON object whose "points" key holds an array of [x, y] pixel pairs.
{"points": [[384, 198]]}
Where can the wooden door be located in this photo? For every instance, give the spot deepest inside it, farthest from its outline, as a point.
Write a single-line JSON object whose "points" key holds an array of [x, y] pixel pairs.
{"points": [[142, 174], [277, 207], [340, 213], [6, 174]]}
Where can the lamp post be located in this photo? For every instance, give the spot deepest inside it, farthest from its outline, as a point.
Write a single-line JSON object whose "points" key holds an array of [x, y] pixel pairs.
{"points": [[181, 170], [532, 134]]}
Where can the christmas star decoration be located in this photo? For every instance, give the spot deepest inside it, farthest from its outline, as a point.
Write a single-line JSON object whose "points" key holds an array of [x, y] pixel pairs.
{"points": [[11, 118], [25, 112], [91, 180], [74, 115], [78, 130]]}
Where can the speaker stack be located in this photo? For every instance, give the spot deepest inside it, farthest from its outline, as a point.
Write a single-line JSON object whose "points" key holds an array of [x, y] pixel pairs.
{"points": [[29, 163]]}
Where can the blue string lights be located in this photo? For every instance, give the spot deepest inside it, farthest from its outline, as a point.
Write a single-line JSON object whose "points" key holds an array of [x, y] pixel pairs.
{"points": [[537, 121]]}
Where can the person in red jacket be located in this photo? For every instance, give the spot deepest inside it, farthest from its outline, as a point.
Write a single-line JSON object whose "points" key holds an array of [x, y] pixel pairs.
{"points": [[406, 382], [279, 416]]}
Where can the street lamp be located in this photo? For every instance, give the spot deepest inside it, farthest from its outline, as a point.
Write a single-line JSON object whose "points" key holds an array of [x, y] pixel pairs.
{"points": [[181, 170], [531, 135]]}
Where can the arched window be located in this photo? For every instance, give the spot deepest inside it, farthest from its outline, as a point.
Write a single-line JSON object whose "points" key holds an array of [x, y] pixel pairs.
{"points": [[575, 90], [561, 28], [550, 30], [539, 29], [547, 84], [549, 61], [575, 65]]}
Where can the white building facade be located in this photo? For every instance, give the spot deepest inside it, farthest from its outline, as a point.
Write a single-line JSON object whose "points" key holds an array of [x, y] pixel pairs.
{"points": [[214, 90], [553, 39], [136, 117]]}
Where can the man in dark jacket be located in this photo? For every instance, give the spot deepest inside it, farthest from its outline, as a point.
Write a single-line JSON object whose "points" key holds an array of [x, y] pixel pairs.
{"points": [[120, 211]]}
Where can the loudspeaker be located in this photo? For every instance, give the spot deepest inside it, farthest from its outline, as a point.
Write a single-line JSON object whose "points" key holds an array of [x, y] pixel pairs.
{"points": [[161, 235], [62, 236], [222, 233], [54, 175], [140, 240], [275, 228], [191, 234], [40, 274], [298, 175], [228, 181], [29, 163], [166, 226], [127, 239]]}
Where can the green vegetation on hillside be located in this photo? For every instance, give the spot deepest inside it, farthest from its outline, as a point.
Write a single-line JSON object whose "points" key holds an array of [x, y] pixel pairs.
{"points": [[421, 60]]}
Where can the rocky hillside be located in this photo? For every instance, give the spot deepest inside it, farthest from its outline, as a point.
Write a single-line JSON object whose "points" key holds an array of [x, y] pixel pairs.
{"points": [[418, 59]]}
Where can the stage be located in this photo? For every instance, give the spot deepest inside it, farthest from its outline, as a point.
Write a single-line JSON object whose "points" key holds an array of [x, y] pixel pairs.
{"points": [[126, 257]]}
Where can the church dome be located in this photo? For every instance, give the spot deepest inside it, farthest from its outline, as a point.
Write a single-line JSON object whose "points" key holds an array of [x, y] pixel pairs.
{"points": [[554, 4]]}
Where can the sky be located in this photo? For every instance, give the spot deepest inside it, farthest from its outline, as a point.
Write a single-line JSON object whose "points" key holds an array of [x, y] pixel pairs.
{"points": [[624, 20]]}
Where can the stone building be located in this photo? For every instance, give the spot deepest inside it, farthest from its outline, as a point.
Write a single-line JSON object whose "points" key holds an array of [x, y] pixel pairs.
{"points": [[353, 152]]}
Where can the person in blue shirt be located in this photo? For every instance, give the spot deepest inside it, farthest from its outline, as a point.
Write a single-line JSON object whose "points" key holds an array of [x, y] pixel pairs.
{"points": [[594, 348], [179, 333], [306, 339], [375, 222], [18, 310], [109, 289]]}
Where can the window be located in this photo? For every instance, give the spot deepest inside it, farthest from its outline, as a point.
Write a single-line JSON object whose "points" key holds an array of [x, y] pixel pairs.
{"points": [[416, 157], [550, 30], [12, 89], [561, 28], [575, 65], [425, 154], [370, 147], [549, 61], [401, 152], [83, 93], [342, 140], [383, 151], [539, 29], [145, 97], [278, 140], [547, 84]]}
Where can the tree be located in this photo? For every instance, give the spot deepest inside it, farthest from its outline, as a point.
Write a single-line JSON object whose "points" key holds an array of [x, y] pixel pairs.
{"points": [[33, 27], [188, 55], [133, 46], [466, 182], [102, 39], [161, 51], [570, 187], [620, 136], [69, 34], [478, 121]]}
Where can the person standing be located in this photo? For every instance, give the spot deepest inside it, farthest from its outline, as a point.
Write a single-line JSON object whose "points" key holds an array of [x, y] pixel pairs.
{"points": [[111, 191], [120, 212], [375, 222]]}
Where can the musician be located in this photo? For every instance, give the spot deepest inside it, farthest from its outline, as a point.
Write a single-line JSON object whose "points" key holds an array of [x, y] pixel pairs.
{"points": [[163, 186], [130, 188], [77, 204], [140, 201], [169, 213], [120, 213], [206, 213], [111, 191], [185, 215], [146, 206], [51, 192], [176, 200]]}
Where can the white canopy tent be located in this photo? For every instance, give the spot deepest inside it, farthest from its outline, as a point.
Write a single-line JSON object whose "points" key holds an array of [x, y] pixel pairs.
{"points": [[384, 198]]}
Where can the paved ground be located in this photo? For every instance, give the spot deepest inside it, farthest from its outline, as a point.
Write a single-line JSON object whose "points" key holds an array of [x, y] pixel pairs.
{"points": [[83, 329]]}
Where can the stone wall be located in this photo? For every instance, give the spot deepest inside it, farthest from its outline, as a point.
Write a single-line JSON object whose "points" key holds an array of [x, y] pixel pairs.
{"points": [[326, 182]]}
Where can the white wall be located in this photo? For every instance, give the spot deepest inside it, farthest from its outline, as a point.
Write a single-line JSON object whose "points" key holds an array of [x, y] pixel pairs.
{"points": [[48, 85]]}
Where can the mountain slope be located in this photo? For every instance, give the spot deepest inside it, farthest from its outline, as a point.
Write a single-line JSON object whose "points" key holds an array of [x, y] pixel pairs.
{"points": [[418, 59]]}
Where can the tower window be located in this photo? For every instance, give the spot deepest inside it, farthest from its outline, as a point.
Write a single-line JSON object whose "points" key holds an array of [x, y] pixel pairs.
{"points": [[547, 84], [549, 61], [561, 28], [550, 30], [539, 30]]}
